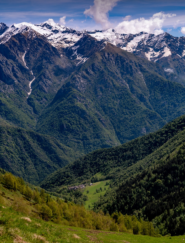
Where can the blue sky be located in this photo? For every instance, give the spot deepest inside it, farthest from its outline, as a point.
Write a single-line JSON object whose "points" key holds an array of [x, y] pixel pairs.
{"points": [[102, 14]]}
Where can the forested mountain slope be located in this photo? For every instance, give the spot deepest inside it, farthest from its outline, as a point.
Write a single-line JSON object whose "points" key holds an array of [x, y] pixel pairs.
{"points": [[109, 98], [112, 98], [148, 177], [120, 163], [30, 155], [31, 72], [156, 194]]}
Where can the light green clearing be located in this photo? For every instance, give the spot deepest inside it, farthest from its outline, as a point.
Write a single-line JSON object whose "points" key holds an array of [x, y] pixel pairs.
{"points": [[129, 238], [93, 196]]}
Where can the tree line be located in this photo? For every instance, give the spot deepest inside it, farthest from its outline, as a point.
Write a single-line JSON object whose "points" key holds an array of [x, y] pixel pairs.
{"points": [[56, 209]]}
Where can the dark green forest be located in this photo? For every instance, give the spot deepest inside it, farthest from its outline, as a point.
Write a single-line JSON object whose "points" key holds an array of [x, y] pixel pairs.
{"points": [[157, 194], [147, 177], [119, 163], [31, 155]]}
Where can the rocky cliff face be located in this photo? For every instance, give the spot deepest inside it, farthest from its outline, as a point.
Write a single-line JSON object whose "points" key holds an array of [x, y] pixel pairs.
{"points": [[31, 72], [3, 28]]}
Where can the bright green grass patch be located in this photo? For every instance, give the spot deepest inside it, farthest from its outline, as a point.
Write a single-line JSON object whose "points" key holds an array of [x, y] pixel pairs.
{"points": [[94, 192], [129, 238], [15, 227]]}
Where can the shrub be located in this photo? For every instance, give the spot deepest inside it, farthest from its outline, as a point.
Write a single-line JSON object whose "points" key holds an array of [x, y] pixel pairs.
{"points": [[136, 229], [9, 181], [46, 212], [21, 206]]}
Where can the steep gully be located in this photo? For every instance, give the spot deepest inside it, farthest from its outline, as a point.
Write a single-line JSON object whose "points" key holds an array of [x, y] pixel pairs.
{"points": [[30, 83]]}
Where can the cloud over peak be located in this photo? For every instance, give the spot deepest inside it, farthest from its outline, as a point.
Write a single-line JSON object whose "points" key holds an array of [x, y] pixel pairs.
{"points": [[99, 11], [151, 25], [63, 20], [183, 30]]}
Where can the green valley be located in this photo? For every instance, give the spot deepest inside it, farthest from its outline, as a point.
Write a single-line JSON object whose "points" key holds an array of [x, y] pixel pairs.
{"points": [[33, 215], [119, 163], [146, 178]]}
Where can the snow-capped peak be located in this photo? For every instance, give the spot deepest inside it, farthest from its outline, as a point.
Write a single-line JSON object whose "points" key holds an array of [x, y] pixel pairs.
{"points": [[57, 35], [13, 30], [153, 47], [50, 22]]}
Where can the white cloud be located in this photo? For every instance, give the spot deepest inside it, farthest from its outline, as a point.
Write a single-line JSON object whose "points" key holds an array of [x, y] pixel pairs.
{"points": [[128, 17], [151, 25], [63, 20], [99, 11], [183, 30], [50, 22]]}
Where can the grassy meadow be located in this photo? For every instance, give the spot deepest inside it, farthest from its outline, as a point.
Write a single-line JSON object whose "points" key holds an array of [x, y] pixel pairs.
{"points": [[15, 227], [94, 192]]}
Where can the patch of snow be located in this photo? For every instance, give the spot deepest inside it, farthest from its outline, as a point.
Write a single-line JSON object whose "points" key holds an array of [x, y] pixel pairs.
{"points": [[183, 54], [167, 52], [132, 45], [61, 36], [23, 58], [81, 59], [100, 35], [30, 83], [169, 70], [15, 29], [75, 48], [50, 22], [152, 54], [56, 34]]}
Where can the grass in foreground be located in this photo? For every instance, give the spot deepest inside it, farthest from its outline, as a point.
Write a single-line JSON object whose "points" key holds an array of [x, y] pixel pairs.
{"points": [[20, 222], [17, 228]]}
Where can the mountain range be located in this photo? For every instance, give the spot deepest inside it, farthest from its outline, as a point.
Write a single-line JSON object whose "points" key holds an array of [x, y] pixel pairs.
{"points": [[89, 106], [165, 49], [88, 89]]}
